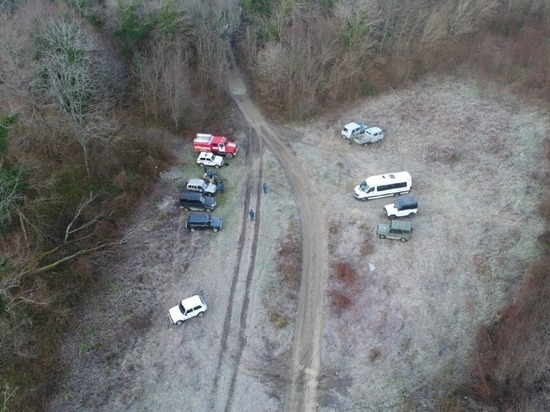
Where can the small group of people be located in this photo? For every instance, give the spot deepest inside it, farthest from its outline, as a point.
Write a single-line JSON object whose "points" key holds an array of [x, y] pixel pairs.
{"points": [[210, 177]]}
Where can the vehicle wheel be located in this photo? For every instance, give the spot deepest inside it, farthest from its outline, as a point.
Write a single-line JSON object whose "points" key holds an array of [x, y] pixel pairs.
{"points": [[364, 199], [202, 165], [217, 166], [208, 209], [392, 217], [201, 314], [179, 322], [381, 236], [187, 208], [215, 230], [403, 239], [192, 229], [229, 155], [411, 214], [397, 194]]}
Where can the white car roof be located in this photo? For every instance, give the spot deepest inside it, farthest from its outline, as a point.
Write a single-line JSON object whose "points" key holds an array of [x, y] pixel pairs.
{"points": [[192, 302], [351, 126]]}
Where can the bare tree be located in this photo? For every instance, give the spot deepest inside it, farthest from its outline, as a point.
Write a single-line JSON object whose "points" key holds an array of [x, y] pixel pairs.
{"points": [[164, 77], [19, 264], [215, 23], [175, 85], [73, 71]]}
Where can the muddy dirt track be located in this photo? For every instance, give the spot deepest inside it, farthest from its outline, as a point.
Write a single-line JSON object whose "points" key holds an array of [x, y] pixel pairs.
{"points": [[301, 392]]}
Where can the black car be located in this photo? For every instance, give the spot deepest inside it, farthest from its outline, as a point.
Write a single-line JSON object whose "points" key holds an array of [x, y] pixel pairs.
{"points": [[196, 201], [203, 221]]}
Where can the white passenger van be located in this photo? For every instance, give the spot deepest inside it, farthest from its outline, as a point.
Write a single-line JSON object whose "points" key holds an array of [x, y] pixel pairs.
{"points": [[390, 184]]}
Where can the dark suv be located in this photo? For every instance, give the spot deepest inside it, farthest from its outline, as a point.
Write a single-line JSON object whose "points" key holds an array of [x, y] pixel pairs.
{"points": [[396, 229], [203, 221], [196, 201]]}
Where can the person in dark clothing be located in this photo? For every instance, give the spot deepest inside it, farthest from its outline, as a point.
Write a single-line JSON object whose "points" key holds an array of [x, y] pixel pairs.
{"points": [[251, 215]]}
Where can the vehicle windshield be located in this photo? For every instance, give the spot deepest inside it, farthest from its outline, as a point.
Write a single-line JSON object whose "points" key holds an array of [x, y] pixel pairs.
{"points": [[364, 187]]}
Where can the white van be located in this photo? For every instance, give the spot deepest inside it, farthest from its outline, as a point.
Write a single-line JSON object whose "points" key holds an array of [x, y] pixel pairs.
{"points": [[390, 184]]}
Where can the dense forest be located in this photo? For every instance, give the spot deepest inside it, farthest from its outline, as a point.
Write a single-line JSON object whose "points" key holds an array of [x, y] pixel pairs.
{"points": [[80, 79]]}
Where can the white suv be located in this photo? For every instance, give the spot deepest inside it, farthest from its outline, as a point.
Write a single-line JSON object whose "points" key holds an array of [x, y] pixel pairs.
{"points": [[209, 159], [200, 185], [187, 309], [404, 206]]}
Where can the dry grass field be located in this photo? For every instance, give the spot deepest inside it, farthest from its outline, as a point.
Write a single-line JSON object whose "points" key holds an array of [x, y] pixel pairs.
{"points": [[399, 317]]}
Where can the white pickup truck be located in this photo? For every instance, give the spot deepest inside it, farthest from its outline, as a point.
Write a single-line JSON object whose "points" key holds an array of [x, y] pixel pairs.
{"points": [[360, 133]]}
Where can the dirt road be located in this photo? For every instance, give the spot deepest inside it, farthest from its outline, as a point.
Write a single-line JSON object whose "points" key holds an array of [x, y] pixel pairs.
{"points": [[301, 393]]}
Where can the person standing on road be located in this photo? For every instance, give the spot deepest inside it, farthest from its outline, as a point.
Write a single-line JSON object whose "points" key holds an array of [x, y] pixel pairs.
{"points": [[251, 215], [264, 187]]}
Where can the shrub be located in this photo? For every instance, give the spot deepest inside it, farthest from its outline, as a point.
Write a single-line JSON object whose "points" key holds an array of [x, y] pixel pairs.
{"points": [[339, 301]]}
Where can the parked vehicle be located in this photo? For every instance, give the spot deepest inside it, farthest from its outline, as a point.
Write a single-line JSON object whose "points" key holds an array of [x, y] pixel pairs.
{"points": [[360, 133], [196, 201], [219, 145], [200, 185], [209, 159], [187, 309], [203, 221], [390, 184], [395, 229], [405, 206]]}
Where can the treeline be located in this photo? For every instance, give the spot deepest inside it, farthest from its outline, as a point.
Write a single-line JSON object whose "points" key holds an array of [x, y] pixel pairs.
{"points": [[305, 56], [79, 80]]}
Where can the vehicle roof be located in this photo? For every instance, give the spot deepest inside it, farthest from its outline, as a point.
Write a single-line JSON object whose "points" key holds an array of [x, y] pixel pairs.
{"points": [[351, 125], [190, 195], [198, 217], [192, 302], [407, 200], [198, 182], [388, 177], [374, 129], [203, 136], [400, 224], [219, 139]]}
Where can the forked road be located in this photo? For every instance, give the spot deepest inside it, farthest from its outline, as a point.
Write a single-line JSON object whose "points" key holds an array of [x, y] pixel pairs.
{"points": [[301, 393]]}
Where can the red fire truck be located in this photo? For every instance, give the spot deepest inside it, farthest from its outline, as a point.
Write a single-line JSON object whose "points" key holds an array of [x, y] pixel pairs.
{"points": [[219, 145]]}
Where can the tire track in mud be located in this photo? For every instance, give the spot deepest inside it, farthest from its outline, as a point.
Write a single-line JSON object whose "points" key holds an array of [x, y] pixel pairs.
{"points": [[234, 330], [301, 392]]}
